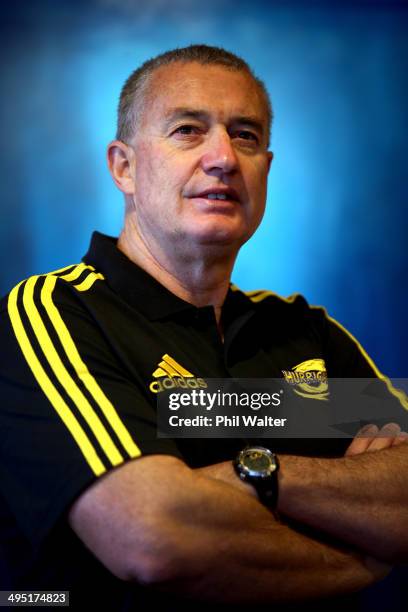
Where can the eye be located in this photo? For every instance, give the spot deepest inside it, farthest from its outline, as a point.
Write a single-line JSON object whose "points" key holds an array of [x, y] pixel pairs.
{"points": [[247, 135], [187, 130]]}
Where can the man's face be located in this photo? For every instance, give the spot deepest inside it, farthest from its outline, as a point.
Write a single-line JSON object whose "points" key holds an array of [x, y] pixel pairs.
{"points": [[201, 159]]}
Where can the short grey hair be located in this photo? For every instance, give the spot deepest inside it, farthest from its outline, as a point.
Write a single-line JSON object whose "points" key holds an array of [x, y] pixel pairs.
{"points": [[134, 90]]}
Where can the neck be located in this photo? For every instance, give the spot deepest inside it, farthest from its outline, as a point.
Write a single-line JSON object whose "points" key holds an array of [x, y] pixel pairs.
{"points": [[199, 276]]}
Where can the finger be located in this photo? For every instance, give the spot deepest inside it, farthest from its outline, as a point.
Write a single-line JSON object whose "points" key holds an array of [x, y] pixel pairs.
{"points": [[362, 440], [400, 439], [385, 437]]}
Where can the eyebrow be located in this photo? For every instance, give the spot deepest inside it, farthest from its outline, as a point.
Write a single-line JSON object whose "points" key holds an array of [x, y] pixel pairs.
{"points": [[203, 115]]}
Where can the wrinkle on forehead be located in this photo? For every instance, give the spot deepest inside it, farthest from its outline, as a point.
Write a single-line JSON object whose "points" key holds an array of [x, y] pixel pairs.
{"points": [[203, 87]]}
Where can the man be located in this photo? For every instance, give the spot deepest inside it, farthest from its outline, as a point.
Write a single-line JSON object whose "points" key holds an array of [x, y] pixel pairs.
{"points": [[92, 500]]}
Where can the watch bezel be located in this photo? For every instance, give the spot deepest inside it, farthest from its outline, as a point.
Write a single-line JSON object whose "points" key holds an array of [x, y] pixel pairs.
{"points": [[249, 473]]}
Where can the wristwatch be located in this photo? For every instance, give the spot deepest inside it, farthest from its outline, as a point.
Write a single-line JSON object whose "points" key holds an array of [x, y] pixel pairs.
{"points": [[259, 466]]}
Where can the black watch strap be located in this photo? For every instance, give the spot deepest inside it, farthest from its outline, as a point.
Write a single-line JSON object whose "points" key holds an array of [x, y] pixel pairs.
{"points": [[268, 490], [259, 467]]}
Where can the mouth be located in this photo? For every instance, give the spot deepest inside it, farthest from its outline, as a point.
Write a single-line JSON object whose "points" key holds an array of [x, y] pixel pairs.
{"points": [[217, 196]]}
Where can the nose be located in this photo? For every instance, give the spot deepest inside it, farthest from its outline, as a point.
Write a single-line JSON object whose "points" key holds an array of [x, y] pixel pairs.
{"points": [[220, 156]]}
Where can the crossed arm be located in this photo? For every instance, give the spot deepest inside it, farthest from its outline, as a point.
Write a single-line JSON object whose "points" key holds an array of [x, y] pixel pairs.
{"points": [[204, 533], [361, 499]]}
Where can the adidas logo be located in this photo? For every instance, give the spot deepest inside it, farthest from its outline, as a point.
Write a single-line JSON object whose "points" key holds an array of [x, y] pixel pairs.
{"points": [[171, 374]]}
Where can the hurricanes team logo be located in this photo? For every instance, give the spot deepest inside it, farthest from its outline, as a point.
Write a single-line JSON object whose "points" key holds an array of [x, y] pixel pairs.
{"points": [[171, 374], [309, 379]]}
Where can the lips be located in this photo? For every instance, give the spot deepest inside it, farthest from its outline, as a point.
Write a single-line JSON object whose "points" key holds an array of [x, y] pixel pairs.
{"points": [[217, 194]]}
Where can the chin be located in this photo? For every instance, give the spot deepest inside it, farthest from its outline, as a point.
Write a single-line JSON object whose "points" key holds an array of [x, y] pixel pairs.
{"points": [[221, 238], [218, 232]]}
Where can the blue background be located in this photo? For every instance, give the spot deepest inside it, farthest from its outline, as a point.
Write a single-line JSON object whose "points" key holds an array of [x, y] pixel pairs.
{"points": [[337, 216]]}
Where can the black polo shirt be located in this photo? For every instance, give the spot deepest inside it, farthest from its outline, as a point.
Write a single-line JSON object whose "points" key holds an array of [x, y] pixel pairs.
{"points": [[84, 352]]}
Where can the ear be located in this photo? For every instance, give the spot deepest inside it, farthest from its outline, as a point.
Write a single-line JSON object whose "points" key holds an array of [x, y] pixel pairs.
{"points": [[121, 163], [270, 158]]}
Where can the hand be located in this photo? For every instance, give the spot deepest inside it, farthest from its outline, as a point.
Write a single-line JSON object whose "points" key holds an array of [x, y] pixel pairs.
{"points": [[370, 438]]}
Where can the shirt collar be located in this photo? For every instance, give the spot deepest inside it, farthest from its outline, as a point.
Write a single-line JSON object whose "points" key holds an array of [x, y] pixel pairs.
{"points": [[131, 282], [144, 292]]}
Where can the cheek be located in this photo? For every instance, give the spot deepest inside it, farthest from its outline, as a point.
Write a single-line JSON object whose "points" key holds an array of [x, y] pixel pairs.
{"points": [[145, 160], [256, 183], [149, 184], [159, 171]]}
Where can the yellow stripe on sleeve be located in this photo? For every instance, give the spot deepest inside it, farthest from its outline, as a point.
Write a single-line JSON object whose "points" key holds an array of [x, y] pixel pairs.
{"points": [[49, 389], [63, 375], [89, 281], [258, 297], [76, 272], [400, 395], [82, 371], [63, 269]]}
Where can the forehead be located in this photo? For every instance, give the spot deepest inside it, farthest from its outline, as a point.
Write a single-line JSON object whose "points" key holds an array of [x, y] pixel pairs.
{"points": [[211, 88]]}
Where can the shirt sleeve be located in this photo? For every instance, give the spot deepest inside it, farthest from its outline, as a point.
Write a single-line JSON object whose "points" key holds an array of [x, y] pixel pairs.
{"points": [[68, 412], [375, 398]]}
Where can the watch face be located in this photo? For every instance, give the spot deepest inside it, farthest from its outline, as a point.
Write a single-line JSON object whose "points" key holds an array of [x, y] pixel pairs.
{"points": [[258, 462]]}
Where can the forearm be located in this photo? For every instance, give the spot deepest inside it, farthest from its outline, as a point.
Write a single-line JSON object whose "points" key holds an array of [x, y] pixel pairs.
{"points": [[362, 499], [158, 522], [235, 551]]}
